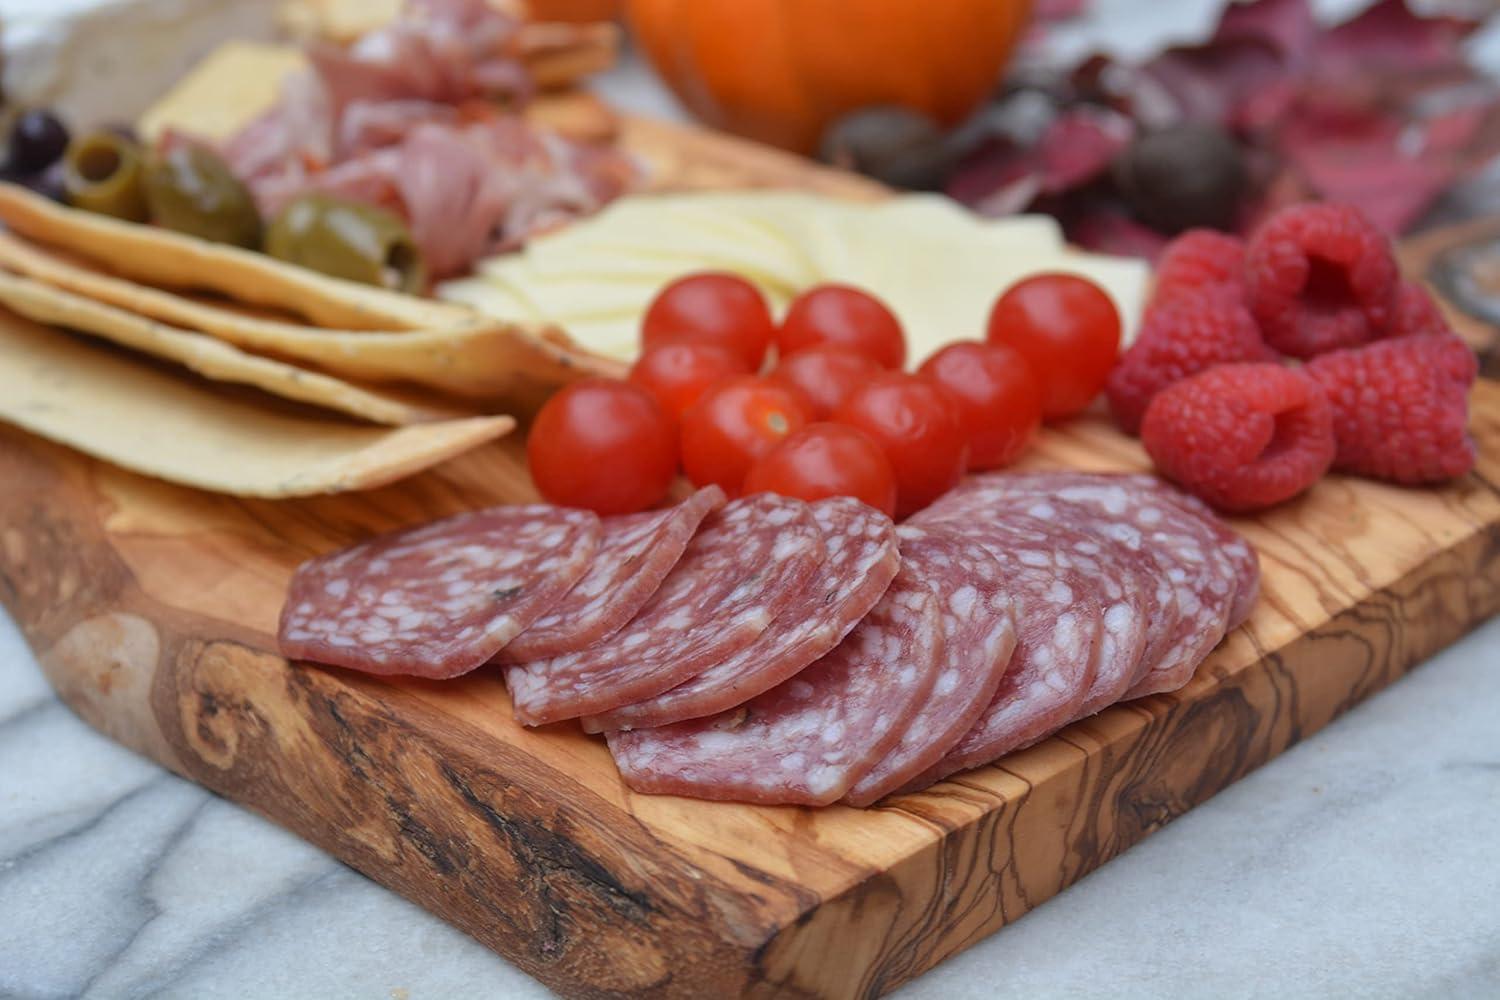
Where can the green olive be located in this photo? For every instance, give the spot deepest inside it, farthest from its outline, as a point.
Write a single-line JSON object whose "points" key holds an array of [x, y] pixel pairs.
{"points": [[102, 173], [349, 240], [190, 189]]}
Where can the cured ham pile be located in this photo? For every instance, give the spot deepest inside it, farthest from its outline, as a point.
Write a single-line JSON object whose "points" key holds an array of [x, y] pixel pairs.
{"points": [[770, 650], [422, 118]]}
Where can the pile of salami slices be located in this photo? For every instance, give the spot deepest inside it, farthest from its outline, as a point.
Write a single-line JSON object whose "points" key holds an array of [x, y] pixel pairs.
{"points": [[771, 650]]}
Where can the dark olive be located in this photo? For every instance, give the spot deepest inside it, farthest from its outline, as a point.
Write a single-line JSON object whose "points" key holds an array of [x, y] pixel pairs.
{"points": [[103, 174], [896, 146], [49, 183], [190, 189], [37, 140], [347, 240], [1183, 176]]}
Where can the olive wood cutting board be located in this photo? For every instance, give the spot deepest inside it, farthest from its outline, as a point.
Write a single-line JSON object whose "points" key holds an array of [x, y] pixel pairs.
{"points": [[153, 609]]}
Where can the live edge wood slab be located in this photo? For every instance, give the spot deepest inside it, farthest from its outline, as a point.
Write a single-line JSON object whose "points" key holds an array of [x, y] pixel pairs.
{"points": [[152, 609]]}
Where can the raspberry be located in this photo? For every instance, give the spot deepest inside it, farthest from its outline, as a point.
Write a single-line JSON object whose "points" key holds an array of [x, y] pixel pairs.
{"points": [[1401, 407], [1241, 436], [1416, 312], [1182, 336], [1200, 257], [1320, 277]]}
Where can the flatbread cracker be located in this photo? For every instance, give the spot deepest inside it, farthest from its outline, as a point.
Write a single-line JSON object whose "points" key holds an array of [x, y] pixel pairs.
{"points": [[575, 114], [208, 357], [130, 413], [162, 257], [476, 359], [559, 55]]}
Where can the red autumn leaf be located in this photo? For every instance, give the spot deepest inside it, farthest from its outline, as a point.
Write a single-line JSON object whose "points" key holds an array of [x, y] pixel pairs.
{"points": [[1074, 150], [1286, 26], [1209, 83], [1383, 110], [1390, 36], [1079, 146], [1107, 229]]}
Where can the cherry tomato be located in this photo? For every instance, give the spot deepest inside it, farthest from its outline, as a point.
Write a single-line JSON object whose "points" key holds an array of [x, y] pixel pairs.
{"points": [[826, 460], [848, 317], [1067, 329], [604, 445], [734, 423], [715, 308], [825, 376], [917, 426], [677, 372], [999, 403]]}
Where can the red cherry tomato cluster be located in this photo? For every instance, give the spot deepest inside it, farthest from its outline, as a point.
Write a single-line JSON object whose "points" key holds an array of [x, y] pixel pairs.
{"points": [[835, 415]]}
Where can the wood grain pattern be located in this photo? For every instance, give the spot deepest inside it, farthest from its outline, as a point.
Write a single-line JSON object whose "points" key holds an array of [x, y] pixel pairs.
{"points": [[1462, 264], [152, 609]]}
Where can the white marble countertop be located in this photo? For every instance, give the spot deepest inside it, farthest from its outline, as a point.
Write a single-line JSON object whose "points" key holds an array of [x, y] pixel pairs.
{"points": [[1362, 863]]}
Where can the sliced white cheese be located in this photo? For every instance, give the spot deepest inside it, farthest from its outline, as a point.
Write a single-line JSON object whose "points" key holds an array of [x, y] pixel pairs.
{"points": [[939, 267], [664, 228]]}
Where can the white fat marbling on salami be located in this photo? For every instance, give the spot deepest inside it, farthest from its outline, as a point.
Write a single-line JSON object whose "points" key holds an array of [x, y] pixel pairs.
{"points": [[1220, 537], [805, 741], [1043, 533], [1231, 544], [978, 635], [861, 561], [1190, 555], [1227, 542], [1059, 622], [1133, 598], [1202, 560], [635, 555], [438, 600], [748, 561]]}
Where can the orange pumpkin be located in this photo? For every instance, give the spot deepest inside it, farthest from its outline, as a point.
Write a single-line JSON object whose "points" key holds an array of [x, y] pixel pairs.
{"points": [[781, 70]]}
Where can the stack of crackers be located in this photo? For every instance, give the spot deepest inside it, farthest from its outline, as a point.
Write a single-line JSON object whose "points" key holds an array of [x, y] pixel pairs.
{"points": [[228, 370]]}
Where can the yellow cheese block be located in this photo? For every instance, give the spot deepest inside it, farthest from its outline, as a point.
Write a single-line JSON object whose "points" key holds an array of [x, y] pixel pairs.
{"points": [[233, 84]]}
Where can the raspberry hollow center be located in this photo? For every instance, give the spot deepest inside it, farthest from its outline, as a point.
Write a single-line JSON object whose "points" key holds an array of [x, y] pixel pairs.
{"points": [[1288, 428], [1326, 288]]}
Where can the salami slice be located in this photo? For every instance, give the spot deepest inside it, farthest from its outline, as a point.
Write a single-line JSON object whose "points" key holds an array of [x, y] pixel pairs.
{"points": [[1058, 626], [1232, 545], [438, 600], [1228, 543], [1132, 596], [979, 634], [807, 740], [1127, 586], [861, 562], [1133, 512], [635, 555], [1189, 550], [748, 561]]}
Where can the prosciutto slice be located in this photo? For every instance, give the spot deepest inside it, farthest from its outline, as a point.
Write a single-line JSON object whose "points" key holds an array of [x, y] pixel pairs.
{"points": [[420, 118]]}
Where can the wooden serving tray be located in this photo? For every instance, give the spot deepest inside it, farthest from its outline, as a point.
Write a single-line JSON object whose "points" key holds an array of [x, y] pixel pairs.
{"points": [[153, 608]]}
